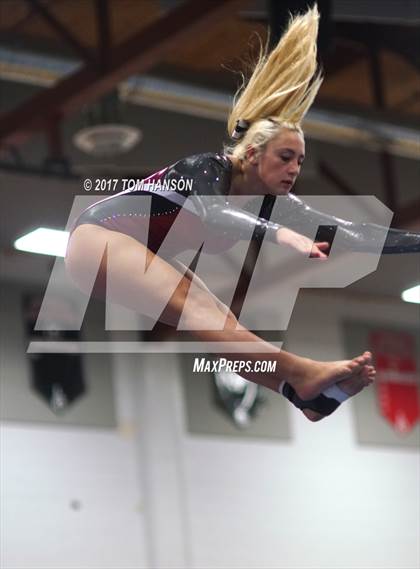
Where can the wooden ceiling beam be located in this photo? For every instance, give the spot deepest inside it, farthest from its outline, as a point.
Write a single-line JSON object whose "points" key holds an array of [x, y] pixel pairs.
{"points": [[15, 27], [104, 32], [344, 55], [408, 215], [136, 55], [59, 28], [400, 39], [379, 99]]}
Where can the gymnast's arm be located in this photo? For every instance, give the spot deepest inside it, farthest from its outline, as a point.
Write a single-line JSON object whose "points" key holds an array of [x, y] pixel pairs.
{"points": [[211, 177], [298, 217], [362, 237]]}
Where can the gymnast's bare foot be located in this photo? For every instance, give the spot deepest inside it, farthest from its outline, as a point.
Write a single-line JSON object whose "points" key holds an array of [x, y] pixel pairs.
{"points": [[351, 386], [313, 377]]}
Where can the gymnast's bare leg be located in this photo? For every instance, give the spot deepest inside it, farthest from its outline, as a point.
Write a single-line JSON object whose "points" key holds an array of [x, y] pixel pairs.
{"points": [[350, 386], [137, 291]]}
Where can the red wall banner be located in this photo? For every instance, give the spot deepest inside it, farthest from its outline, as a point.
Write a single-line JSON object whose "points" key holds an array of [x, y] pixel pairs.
{"points": [[398, 378]]}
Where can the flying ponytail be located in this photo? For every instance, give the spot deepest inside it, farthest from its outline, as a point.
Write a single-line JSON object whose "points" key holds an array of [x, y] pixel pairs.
{"points": [[284, 82]]}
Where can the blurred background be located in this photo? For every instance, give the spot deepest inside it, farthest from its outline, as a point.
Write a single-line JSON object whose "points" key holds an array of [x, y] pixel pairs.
{"points": [[122, 460]]}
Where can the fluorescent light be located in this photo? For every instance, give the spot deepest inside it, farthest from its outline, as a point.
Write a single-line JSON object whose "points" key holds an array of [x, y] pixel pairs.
{"points": [[44, 241], [412, 294]]}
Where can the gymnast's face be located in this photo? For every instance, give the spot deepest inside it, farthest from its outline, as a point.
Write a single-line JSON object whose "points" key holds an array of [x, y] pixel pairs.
{"points": [[278, 165]]}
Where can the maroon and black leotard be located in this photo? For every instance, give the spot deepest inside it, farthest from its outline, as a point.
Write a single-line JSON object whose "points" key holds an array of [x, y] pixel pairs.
{"points": [[221, 225], [207, 178], [219, 222]]}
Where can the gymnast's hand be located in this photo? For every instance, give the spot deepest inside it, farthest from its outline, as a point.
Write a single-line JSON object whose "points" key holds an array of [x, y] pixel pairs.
{"points": [[302, 244]]}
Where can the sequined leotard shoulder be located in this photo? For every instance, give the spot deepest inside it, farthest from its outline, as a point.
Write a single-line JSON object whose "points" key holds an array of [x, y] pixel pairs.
{"points": [[200, 183]]}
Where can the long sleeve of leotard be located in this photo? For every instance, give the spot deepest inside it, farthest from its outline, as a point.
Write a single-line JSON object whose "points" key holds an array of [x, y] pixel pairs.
{"points": [[363, 237], [211, 176]]}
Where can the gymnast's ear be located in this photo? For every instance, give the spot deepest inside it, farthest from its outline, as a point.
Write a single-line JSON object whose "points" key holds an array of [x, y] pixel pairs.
{"points": [[251, 155]]}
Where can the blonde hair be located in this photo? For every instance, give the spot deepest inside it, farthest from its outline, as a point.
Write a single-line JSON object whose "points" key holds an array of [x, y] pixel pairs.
{"points": [[281, 88]]}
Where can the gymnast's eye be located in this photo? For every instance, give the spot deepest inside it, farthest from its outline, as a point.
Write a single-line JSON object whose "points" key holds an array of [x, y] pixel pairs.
{"points": [[285, 157]]}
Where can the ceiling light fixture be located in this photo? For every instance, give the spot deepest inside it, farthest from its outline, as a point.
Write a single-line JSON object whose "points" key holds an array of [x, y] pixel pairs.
{"points": [[44, 241], [106, 140], [106, 134], [412, 294]]}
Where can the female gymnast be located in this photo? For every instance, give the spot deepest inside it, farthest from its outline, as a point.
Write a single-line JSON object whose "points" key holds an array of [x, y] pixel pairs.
{"points": [[265, 158]]}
